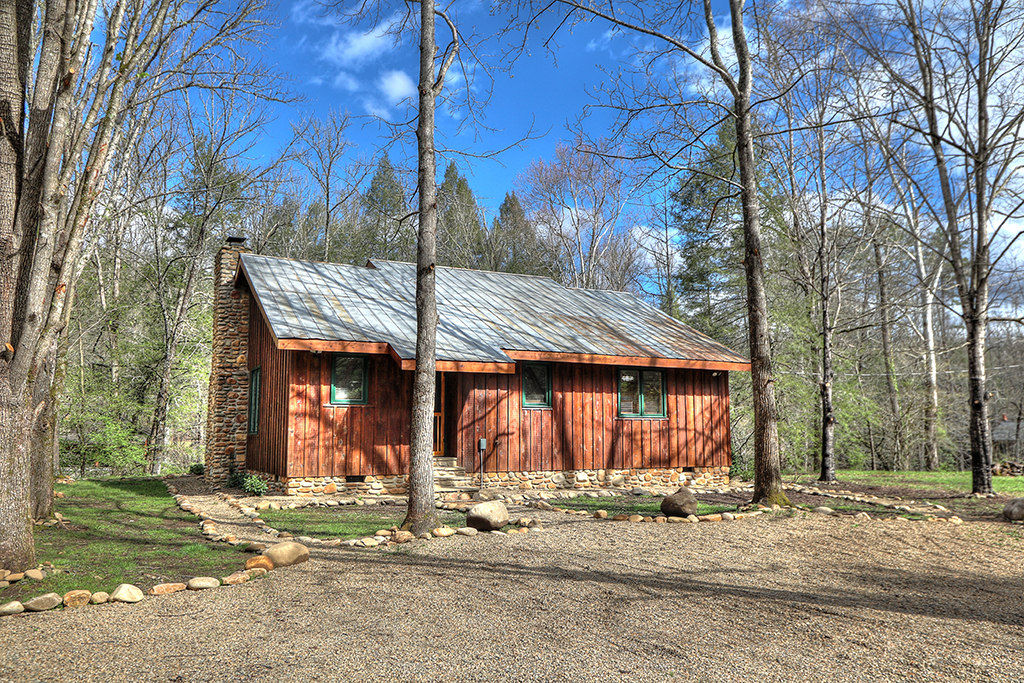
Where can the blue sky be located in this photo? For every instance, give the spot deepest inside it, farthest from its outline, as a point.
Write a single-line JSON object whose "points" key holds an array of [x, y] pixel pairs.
{"points": [[360, 69]]}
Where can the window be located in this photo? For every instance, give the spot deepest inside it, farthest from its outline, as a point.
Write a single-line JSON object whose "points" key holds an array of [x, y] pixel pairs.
{"points": [[254, 400], [348, 379], [641, 393], [536, 385]]}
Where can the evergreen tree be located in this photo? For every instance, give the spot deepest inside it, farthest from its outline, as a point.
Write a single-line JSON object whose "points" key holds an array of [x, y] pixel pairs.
{"points": [[460, 230], [512, 244], [384, 234], [709, 289]]}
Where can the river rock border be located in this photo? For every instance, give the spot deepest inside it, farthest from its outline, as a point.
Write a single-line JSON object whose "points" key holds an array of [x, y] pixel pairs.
{"points": [[258, 565]]}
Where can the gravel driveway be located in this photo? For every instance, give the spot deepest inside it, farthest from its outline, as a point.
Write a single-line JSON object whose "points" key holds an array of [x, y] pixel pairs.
{"points": [[771, 598]]}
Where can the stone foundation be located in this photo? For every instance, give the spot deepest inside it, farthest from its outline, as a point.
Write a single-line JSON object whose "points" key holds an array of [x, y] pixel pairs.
{"points": [[397, 485]]}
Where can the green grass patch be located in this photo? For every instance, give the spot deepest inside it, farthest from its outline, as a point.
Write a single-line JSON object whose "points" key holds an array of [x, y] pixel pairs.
{"points": [[958, 482], [122, 532], [647, 506], [343, 521]]}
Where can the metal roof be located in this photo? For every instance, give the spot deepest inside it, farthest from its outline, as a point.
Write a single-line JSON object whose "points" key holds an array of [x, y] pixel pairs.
{"points": [[1005, 430], [481, 314]]}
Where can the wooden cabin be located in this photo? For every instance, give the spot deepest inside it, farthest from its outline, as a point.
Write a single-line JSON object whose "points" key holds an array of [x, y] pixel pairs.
{"points": [[561, 387]]}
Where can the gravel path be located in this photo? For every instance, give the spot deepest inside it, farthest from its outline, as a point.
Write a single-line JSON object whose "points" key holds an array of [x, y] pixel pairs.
{"points": [[771, 598]]}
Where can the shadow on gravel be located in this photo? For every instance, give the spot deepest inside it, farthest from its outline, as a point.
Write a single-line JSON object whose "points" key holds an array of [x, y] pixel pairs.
{"points": [[960, 595]]}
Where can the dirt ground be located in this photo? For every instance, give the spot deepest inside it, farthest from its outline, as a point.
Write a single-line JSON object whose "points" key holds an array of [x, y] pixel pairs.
{"points": [[778, 597]]}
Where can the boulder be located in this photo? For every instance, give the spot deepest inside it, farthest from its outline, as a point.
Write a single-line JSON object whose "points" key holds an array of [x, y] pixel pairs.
{"points": [[35, 574], [682, 503], [286, 553], [12, 607], [259, 562], [443, 531], [78, 598], [1014, 510], [126, 593], [99, 598], [199, 583], [467, 531], [403, 536], [42, 603], [487, 516], [166, 588]]}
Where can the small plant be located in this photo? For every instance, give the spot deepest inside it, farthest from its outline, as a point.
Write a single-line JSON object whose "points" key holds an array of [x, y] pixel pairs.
{"points": [[254, 485], [236, 480], [197, 468]]}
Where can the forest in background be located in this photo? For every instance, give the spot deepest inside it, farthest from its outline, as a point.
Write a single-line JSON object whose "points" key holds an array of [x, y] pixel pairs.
{"points": [[888, 198]]}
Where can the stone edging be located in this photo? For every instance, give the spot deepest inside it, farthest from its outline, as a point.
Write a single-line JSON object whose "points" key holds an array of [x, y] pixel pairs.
{"points": [[125, 593], [128, 593]]}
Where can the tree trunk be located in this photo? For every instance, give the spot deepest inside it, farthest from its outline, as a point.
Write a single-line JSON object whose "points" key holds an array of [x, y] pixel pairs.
{"points": [[767, 460], [890, 367], [44, 437], [981, 437], [422, 515], [828, 418], [931, 378], [17, 549]]}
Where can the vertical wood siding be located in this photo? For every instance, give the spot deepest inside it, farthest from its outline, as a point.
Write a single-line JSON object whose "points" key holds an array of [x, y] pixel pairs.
{"points": [[328, 440], [302, 435], [266, 450], [582, 431]]}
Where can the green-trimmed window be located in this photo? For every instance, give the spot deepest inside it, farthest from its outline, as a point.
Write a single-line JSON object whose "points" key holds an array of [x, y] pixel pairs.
{"points": [[536, 385], [254, 400], [349, 375], [641, 393]]}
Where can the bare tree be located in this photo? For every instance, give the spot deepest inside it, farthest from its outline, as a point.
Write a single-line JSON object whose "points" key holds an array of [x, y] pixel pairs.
{"points": [[59, 162], [322, 147], [953, 72], [580, 203]]}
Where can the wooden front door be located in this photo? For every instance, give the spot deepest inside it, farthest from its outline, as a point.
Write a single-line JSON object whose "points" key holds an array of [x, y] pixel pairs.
{"points": [[439, 415]]}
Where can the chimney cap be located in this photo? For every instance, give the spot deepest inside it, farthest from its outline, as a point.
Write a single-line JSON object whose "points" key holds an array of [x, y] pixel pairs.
{"points": [[234, 239]]}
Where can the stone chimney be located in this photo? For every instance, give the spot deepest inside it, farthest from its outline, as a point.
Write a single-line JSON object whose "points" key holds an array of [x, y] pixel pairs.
{"points": [[226, 415]]}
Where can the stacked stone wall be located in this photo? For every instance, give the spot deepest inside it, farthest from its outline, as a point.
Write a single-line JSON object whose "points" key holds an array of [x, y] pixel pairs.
{"points": [[396, 485], [227, 410]]}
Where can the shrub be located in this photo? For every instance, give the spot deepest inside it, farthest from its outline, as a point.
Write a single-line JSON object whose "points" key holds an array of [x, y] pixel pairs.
{"points": [[197, 468], [236, 479], [254, 485]]}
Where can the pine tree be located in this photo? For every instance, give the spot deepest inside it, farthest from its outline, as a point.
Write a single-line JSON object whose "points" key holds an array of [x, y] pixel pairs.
{"points": [[387, 232], [512, 244], [460, 231]]}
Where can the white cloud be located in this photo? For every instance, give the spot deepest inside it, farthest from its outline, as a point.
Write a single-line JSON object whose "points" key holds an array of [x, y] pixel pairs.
{"points": [[396, 86], [345, 81], [346, 48]]}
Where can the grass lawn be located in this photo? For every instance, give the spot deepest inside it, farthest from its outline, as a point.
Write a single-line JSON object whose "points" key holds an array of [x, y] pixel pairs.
{"points": [[122, 532], [958, 482], [343, 522], [949, 489], [647, 506]]}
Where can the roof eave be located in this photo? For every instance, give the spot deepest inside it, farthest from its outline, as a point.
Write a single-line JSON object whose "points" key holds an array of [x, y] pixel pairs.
{"points": [[632, 361]]}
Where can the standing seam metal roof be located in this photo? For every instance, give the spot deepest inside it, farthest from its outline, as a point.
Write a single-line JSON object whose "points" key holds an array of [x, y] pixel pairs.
{"points": [[480, 313]]}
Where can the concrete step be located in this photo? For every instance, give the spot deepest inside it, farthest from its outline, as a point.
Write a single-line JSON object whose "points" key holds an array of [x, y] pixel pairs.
{"points": [[445, 462]]}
